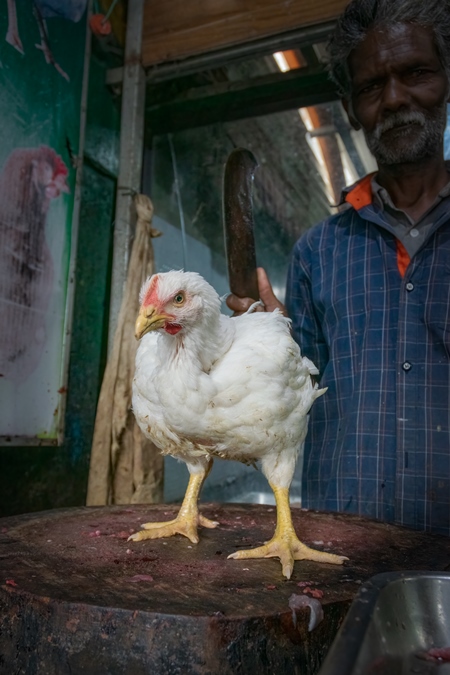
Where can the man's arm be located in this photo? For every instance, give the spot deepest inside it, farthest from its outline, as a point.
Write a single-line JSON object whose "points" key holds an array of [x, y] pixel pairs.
{"points": [[301, 307]]}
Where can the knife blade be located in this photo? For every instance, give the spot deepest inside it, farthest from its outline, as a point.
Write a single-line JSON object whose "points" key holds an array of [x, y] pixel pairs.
{"points": [[239, 224]]}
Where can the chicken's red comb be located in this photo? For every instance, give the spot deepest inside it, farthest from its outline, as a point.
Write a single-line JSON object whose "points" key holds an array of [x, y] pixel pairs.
{"points": [[47, 153], [60, 167]]}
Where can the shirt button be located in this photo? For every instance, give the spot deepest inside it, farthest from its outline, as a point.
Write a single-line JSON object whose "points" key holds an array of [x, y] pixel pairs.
{"points": [[414, 232], [407, 366], [409, 286]]}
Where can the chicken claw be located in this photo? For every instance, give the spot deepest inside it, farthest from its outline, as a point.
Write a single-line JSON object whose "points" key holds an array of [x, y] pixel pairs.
{"points": [[202, 520], [182, 524], [188, 518], [285, 544], [288, 549]]}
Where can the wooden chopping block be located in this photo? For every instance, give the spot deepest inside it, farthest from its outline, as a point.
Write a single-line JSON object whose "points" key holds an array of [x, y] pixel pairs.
{"points": [[75, 596]]}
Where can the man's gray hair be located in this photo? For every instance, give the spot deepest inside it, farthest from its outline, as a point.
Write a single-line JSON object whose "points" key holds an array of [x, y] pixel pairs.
{"points": [[360, 16]]}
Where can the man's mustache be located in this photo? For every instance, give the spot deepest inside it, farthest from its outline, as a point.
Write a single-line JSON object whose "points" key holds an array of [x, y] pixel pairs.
{"points": [[399, 119]]}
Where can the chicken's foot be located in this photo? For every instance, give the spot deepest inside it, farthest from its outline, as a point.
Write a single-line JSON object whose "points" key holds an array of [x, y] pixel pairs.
{"points": [[285, 544], [187, 520]]}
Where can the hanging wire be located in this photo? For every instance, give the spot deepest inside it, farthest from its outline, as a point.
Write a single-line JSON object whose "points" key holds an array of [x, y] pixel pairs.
{"points": [[179, 202], [109, 12]]}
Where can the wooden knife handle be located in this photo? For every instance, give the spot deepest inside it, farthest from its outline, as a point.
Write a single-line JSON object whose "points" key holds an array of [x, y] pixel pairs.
{"points": [[238, 223]]}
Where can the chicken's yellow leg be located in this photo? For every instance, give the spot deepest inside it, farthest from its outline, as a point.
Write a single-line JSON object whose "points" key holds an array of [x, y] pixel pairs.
{"points": [[188, 517], [285, 544]]}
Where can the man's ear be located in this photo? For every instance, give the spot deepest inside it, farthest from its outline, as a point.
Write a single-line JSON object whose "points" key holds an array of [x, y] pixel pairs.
{"points": [[351, 117]]}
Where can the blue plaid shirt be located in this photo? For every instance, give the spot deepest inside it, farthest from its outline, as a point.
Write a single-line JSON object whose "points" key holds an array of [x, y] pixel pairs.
{"points": [[379, 439]]}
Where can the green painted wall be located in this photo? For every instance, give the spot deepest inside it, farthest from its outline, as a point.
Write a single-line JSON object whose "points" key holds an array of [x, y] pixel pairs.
{"points": [[36, 478]]}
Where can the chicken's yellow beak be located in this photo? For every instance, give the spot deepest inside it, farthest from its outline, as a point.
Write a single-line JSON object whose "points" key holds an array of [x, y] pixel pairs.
{"points": [[149, 319]]}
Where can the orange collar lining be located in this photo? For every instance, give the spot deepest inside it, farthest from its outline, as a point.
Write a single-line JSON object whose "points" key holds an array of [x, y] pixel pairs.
{"points": [[361, 194]]}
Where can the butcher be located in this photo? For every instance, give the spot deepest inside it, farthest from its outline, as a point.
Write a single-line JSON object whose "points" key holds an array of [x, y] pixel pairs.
{"points": [[368, 288]]}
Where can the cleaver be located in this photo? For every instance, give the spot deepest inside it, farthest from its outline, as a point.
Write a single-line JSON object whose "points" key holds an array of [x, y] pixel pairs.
{"points": [[238, 223]]}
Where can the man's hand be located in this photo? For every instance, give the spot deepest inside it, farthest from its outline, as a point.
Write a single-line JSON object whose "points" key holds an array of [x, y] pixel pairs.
{"points": [[241, 305]]}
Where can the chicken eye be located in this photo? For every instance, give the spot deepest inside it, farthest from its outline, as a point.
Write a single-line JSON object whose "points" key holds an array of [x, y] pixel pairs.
{"points": [[178, 299]]}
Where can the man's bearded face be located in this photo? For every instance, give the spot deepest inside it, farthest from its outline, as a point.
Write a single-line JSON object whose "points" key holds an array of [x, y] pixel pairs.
{"points": [[399, 94], [408, 136]]}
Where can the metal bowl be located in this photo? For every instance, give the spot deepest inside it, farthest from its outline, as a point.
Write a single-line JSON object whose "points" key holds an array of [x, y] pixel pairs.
{"points": [[393, 623]]}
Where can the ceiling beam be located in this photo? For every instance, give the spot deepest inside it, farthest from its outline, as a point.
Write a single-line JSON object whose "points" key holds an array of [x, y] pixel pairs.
{"points": [[229, 101], [293, 39]]}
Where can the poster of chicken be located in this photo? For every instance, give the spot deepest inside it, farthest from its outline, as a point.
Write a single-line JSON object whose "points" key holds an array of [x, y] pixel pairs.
{"points": [[42, 47]]}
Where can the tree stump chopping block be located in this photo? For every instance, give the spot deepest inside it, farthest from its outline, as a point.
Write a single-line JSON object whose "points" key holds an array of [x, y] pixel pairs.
{"points": [[76, 597]]}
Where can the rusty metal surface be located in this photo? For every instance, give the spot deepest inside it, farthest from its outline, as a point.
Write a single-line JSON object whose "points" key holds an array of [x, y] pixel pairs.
{"points": [[74, 594], [238, 223]]}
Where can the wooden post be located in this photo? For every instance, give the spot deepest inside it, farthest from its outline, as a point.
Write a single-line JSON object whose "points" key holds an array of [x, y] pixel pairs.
{"points": [[130, 159]]}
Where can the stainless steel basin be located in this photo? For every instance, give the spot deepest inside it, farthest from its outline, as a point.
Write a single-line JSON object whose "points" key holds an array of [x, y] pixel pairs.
{"points": [[392, 624]]}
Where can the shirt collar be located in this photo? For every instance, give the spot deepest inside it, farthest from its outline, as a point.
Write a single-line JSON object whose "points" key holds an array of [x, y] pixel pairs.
{"points": [[359, 194], [362, 192]]}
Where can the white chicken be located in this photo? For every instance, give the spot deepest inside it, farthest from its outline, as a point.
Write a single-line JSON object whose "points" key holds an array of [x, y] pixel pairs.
{"points": [[207, 385]]}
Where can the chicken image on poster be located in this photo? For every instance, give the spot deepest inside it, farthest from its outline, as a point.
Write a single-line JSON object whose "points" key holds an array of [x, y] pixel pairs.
{"points": [[33, 278], [30, 179], [207, 385], [42, 71]]}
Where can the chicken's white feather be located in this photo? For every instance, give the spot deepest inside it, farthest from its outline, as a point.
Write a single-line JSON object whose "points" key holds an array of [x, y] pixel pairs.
{"points": [[236, 388]]}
